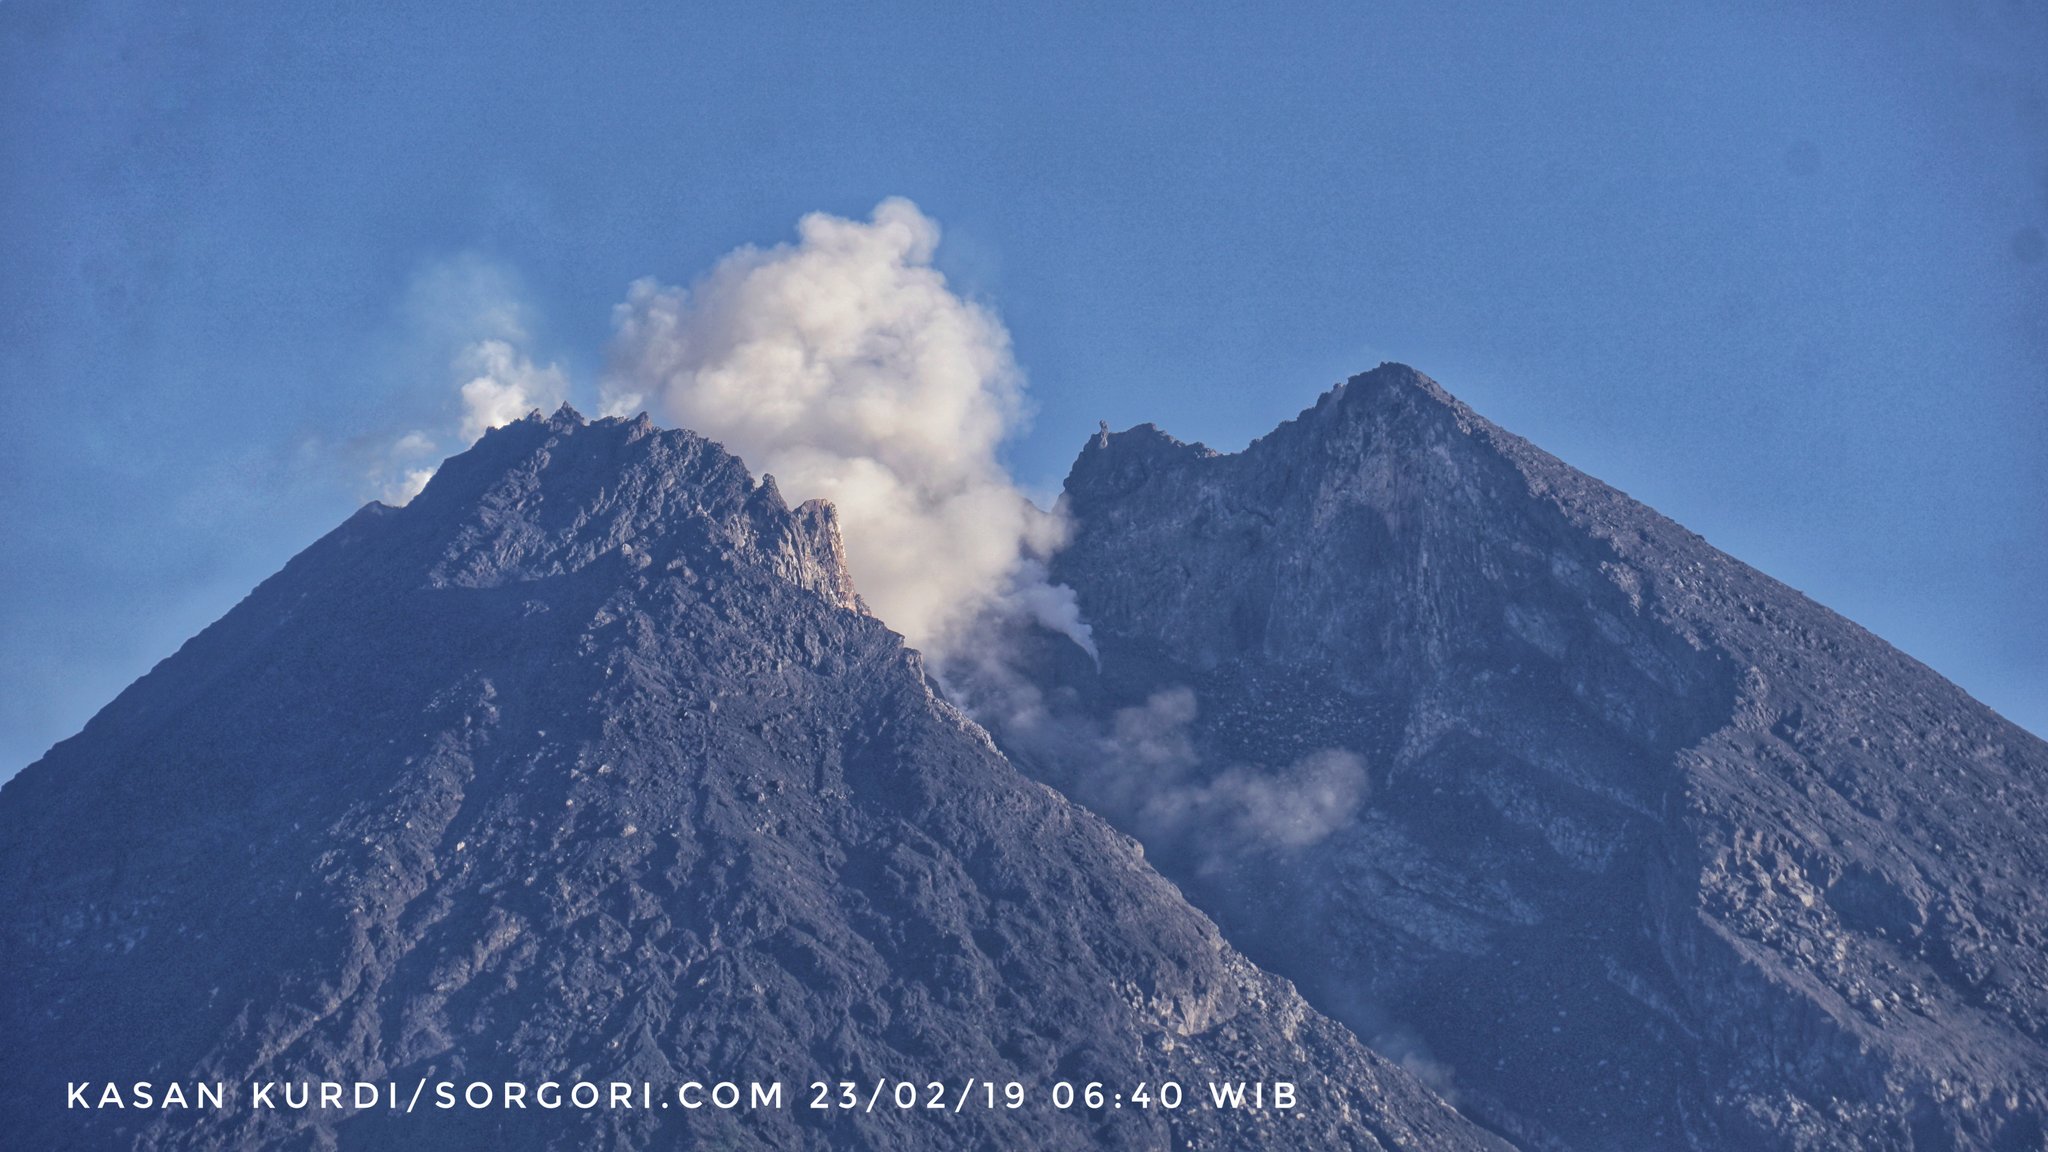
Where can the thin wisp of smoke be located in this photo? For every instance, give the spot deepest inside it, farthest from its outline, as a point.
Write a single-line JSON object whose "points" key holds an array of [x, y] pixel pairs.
{"points": [[466, 312]]}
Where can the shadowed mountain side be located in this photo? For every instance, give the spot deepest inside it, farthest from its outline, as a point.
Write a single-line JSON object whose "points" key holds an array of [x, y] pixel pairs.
{"points": [[1620, 842]]}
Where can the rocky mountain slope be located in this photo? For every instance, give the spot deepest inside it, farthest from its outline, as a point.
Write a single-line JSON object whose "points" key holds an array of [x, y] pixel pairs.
{"points": [[1620, 842], [587, 766]]}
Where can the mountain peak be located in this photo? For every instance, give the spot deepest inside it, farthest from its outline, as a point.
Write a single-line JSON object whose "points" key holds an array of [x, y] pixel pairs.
{"points": [[1627, 799], [1391, 375], [1119, 461]]}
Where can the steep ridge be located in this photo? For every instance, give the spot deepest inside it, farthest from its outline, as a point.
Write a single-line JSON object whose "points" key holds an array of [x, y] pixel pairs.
{"points": [[1620, 842], [587, 765]]}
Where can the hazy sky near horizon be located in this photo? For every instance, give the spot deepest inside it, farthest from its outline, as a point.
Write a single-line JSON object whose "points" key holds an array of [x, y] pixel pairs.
{"points": [[1779, 270]]}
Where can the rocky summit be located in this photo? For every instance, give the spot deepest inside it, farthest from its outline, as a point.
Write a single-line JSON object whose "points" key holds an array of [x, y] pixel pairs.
{"points": [[587, 767], [1618, 842]]}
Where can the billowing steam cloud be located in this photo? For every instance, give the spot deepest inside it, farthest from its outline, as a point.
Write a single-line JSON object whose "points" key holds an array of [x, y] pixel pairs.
{"points": [[845, 366]]}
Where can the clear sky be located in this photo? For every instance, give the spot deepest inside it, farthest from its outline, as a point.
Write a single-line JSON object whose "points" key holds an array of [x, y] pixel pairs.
{"points": [[1780, 270]]}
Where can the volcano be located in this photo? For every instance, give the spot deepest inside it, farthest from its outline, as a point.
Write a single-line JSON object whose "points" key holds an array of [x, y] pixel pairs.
{"points": [[588, 768]]}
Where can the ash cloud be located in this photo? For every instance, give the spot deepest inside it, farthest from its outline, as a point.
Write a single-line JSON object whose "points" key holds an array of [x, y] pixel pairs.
{"points": [[1295, 807], [1148, 757], [1142, 768], [844, 365]]}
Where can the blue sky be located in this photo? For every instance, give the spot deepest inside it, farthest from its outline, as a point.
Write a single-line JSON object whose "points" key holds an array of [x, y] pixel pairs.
{"points": [[1778, 270]]}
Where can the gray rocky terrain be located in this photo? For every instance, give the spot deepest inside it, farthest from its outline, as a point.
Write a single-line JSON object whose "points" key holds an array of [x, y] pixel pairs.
{"points": [[1619, 842], [586, 765]]}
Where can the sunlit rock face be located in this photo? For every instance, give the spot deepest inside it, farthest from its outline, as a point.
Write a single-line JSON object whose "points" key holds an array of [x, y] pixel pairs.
{"points": [[1645, 849], [588, 765]]}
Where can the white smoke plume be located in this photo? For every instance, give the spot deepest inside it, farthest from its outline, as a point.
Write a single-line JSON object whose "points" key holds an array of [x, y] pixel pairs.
{"points": [[504, 385], [846, 367], [472, 307], [405, 469]]}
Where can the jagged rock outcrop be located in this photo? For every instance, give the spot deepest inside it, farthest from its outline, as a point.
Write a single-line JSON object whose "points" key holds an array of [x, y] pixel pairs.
{"points": [[587, 766], [1625, 844]]}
